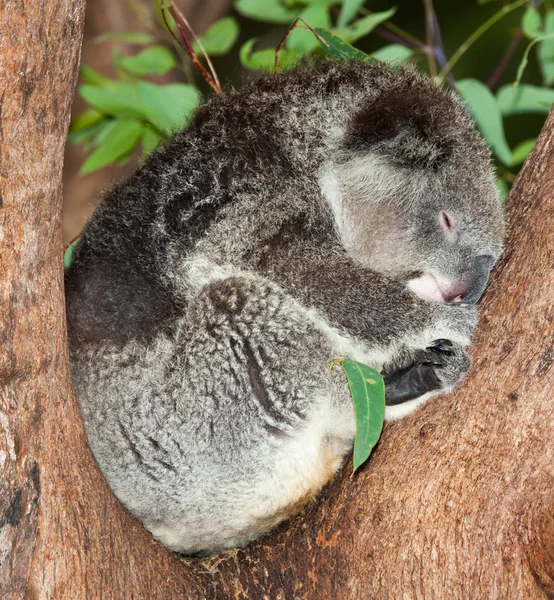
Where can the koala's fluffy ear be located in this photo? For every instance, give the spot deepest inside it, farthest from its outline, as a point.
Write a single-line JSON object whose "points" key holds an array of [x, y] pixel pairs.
{"points": [[413, 124]]}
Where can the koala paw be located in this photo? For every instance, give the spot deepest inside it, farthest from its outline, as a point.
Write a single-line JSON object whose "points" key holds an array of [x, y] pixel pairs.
{"points": [[440, 366]]}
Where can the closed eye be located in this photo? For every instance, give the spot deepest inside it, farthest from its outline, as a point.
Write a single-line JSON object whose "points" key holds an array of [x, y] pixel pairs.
{"points": [[448, 225]]}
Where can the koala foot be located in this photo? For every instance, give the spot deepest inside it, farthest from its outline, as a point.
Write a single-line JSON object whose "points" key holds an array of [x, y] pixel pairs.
{"points": [[440, 365]]}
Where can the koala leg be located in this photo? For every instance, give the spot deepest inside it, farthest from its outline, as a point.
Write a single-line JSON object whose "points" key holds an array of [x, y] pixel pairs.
{"points": [[437, 368]]}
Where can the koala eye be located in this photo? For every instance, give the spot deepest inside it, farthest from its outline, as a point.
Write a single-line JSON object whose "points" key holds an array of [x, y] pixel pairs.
{"points": [[447, 223]]}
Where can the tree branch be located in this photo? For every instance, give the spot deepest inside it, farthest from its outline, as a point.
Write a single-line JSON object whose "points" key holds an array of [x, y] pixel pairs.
{"points": [[456, 501]]}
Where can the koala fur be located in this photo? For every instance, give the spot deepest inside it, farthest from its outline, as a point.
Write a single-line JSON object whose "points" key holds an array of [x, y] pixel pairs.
{"points": [[339, 209]]}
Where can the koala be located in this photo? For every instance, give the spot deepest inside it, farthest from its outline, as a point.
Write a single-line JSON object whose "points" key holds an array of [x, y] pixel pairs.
{"points": [[337, 209]]}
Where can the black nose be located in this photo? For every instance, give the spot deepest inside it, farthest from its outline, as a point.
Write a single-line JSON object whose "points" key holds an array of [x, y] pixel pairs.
{"points": [[477, 278]]}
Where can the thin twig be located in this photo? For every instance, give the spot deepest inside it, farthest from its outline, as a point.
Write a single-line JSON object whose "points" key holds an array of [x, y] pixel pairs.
{"points": [[438, 50], [402, 37], [430, 37], [180, 20], [393, 37], [505, 60], [478, 33], [177, 14], [280, 45]]}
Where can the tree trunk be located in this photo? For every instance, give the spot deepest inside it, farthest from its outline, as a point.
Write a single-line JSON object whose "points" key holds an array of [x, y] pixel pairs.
{"points": [[456, 502]]}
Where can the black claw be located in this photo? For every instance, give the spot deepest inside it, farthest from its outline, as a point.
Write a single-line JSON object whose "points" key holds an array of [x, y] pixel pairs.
{"points": [[441, 346], [432, 363]]}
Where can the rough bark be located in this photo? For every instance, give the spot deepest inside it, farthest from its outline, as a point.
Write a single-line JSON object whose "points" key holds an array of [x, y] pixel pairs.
{"points": [[456, 502]]}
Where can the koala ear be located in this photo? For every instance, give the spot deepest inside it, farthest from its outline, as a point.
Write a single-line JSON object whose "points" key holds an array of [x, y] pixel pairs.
{"points": [[410, 121]]}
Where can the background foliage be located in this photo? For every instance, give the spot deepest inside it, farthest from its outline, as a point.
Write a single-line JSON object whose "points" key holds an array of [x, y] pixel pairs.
{"points": [[135, 110]]}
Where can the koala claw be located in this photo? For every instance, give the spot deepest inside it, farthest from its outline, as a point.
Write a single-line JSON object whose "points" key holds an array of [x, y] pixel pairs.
{"points": [[441, 346]]}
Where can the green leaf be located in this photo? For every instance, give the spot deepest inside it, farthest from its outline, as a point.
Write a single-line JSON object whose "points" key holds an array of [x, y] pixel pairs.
{"points": [[545, 51], [264, 60], [132, 37], [154, 60], [336, 48], [524, 99], [531, 23], [304, 41], [269, 11], [68, 254], [393, 53], [367, 389], [503, 190], [150, 140], [91, 77], [525, 59], [88, 134], [119, 142], [484, 108], [219, 38], [168, 106], [363, 27], [86, 119], [521, 151], [120, 100], [158, 11], [108, 125], [348, 11]]}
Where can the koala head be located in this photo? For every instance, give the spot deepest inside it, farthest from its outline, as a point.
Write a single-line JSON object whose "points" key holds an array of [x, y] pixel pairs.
{"points": [[412, 191]]}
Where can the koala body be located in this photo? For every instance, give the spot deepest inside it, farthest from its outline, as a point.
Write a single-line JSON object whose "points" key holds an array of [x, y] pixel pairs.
{"points": [[344, 209]]}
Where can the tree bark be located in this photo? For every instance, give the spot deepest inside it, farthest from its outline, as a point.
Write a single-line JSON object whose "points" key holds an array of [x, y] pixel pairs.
{"points": [[456, 502]]}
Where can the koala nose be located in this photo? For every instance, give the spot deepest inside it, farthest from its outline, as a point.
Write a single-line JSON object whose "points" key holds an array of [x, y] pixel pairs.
{"points": [[474, 281]]}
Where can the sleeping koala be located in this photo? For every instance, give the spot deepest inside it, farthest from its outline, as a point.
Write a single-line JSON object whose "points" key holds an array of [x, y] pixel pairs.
{"points": [[341, 209]]}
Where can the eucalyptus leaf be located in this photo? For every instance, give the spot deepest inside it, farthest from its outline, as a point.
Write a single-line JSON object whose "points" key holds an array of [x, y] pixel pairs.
{"points": [[86, 119], [348, 11], [484, 108], [367, 389], [68, 254], [118, 143], [503, 190], [521, 151], [264, 60], [219, 38], [268, 11], [393, 53], [304, 41], [362, 27], [337, 48], [168, 106], [545, 50], [155, 60], [89, 134], [150, 140], [524, 99], [120, 100], [91, 77], [531, 23]]}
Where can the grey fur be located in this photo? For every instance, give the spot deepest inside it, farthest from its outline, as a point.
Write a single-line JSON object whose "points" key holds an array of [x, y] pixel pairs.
{"points": [[210, 291]]}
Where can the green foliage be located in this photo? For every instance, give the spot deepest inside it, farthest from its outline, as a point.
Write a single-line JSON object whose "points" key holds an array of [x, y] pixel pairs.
{"points": [[267, 12], [337, 48], [220, 37], [131, 111], [531, 23], [484, 108], [524, 99], [367, 389], [545, 50], [155, 60], [362, 27]]}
